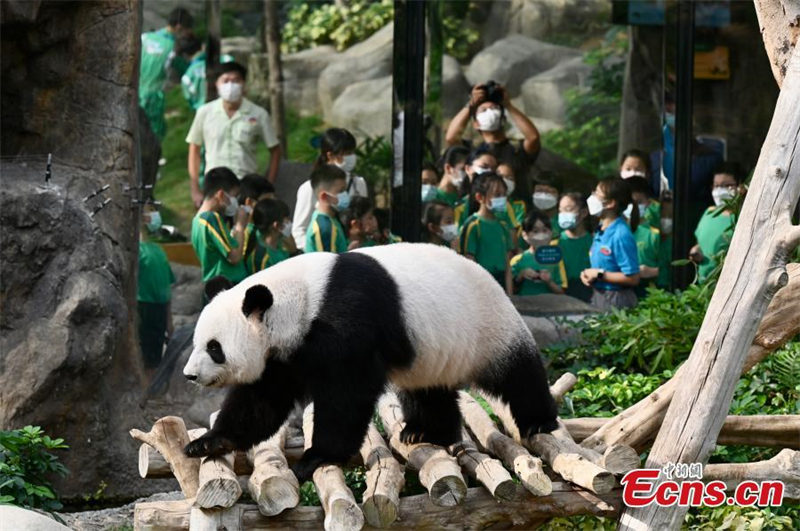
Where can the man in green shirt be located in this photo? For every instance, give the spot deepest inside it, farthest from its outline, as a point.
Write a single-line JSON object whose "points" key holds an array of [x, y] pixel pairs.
{"points": [[157, 50], [153, 295], [220, 251], [325, 231]]}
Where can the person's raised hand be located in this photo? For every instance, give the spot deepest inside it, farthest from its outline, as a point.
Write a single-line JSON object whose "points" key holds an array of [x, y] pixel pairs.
{"points": [[478, 95], [544, 275]]}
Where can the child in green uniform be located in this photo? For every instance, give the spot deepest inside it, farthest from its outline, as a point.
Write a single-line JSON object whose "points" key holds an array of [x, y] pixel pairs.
{"points": [[478, 163], [665, 252], [575, 242], [484, 238], [546, 187], [325, 232], [532, 276], [516, 208], [384, 235], [715, 229], [271, 225], [649, 208], [220, 251], [647, 235], [430, 181], [360, 223], [439, 225], [153, 297], [454, 183]]}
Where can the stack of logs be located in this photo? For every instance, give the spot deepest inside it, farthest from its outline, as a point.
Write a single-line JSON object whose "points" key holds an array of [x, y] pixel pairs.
{"points": [[576, 478]]}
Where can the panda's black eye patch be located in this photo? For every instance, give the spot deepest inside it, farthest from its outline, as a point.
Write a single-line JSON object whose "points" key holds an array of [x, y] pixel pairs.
{"points": [[214, 350]]}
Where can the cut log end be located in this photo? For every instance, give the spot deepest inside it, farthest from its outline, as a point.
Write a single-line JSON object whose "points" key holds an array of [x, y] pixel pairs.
{"points": [[344, 515], [276, 495], [380, 511], [529, 470], [619, 459], [448, 491]]}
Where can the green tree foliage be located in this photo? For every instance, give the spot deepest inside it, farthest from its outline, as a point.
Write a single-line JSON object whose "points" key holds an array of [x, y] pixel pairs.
{"points": [[590, 136], [25, 466]]}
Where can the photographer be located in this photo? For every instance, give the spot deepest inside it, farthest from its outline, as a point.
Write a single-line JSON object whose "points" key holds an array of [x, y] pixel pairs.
{"points": [[489, 106]]}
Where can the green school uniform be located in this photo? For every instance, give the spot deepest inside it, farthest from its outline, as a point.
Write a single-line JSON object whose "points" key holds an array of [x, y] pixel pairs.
{"points": [[461, 211], [488, 240], [527, 260], [451, 198], [648, 246], [713, 233], [213, 244], [522, 245], [156, 49], [325, 234], [652, 214], [576, 255], [264, 256], [155, 274]]}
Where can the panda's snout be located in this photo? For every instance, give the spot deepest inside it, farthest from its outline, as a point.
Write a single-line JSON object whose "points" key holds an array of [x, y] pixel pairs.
{"points": [[191, 377]]}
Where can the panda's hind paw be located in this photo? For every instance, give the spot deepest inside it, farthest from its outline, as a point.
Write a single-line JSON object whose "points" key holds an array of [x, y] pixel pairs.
{"points": [[208, 445], [411, 436]]}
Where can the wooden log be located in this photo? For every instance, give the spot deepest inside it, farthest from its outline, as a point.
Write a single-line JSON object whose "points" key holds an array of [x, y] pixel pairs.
{"points": [[772, 431], [563, 385], [480, 511], [488, 471], [439, 472], [341, 510], [218, 485], [783, 467], [527, 468], [149, 458], [385, 480], [780, 28], [169, 436], [638, 425], [272, 484], [571, 465], [753, 271], [200, 519]]}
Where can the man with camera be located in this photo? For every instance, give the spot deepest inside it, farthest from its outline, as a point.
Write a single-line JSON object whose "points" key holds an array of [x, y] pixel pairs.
{"points": [[489, 106]]}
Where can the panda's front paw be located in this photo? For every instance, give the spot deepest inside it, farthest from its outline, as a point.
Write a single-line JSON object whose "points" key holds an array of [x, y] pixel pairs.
{"points": [[209, 445], [305, 467], [543, 426]]}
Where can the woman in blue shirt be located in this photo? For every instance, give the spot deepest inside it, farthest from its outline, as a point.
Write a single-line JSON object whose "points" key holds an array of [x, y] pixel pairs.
{"points": [[613, 255]]}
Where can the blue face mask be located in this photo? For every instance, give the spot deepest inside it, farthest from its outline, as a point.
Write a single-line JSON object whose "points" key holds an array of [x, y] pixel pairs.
{"points": [[498, 204], [669, 119], [155, 221], [428, 192], [344, 200]]}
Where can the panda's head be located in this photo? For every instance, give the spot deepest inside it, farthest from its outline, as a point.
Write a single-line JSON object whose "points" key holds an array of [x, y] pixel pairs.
{"points": [[230, 339]]}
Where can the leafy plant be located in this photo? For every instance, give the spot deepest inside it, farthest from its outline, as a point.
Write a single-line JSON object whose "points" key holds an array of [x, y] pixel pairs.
{"points": [[374, 163], [459, 39], [25, 464], [590, 136], [339, 25], [602, 392], [655, 335]]}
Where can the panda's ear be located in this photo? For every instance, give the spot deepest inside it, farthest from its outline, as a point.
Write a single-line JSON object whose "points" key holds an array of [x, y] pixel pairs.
{"points": [[217, 285], [257, 300]]}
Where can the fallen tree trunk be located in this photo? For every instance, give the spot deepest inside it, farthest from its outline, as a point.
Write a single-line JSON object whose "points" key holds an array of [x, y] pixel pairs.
{"points": [[771, 431], [217, 482], [385, 480], [337, 500], [527, 468], [784, 467], [169, 436], [272, 484], [480, 511], [638, 425], [754, 270], [570, 464], [439, 472]]}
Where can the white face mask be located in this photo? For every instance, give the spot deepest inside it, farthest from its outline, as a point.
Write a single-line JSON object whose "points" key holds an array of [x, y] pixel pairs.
{"points": [[458, 178], [544, 200], [498, 204], [232, 206], [567, 220], [666, 225], [489, 120], [595, 205], [154, 222], [449, 232], [510, 185], [428, 192], [539, 239], [722, 194], [348, 163], [286, 230], [230, 91], [628, 211], [627, 174], [480, 170]]}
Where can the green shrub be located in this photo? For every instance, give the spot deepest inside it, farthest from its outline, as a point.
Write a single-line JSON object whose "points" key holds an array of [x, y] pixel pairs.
{"points": [[26, 464], [374, 163]]}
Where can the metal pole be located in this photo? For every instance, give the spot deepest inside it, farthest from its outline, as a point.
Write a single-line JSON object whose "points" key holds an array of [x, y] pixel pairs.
{"points": [[682, 232], [409, 74]]}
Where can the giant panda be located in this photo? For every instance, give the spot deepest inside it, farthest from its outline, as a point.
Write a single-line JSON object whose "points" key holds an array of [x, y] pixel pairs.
{"points": [[337, 329]]}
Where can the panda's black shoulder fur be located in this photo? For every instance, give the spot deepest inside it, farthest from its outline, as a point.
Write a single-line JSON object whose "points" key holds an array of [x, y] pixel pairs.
{"points": [[362, 308]]}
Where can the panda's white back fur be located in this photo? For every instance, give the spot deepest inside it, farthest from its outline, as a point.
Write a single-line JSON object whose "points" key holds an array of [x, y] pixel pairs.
{"points": [[457, 315]]}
